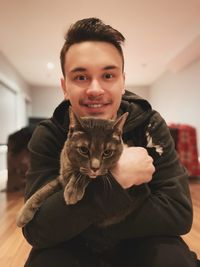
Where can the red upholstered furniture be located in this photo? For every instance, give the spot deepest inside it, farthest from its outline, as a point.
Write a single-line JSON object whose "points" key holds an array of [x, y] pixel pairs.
{"points": [[186, 145]]}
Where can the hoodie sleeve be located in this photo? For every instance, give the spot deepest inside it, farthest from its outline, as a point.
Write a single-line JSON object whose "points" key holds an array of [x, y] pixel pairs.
{"points": [[168, 209], [56, 222]]}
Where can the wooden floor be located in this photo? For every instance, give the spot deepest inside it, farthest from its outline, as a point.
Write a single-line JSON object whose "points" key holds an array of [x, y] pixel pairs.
{"points": [[14, 249], [193, 237]]}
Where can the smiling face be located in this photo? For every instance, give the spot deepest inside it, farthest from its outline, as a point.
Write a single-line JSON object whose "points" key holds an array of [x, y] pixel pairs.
{"points": [[94, 79]]}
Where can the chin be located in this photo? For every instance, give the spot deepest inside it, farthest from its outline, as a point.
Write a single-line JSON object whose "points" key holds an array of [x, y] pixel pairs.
{"points": [[104, 116], [102, 113], [92, 176]]}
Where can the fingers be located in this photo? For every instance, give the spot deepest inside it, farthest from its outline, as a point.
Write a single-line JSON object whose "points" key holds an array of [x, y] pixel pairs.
{"points": [[134, 167]]}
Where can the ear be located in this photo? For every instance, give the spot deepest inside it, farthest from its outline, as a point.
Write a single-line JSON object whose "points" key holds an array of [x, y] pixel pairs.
{"points": [[74, 120], [64, 88], [123, 89], [119, 123]]}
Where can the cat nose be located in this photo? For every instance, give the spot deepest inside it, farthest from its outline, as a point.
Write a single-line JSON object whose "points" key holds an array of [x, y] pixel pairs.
{"points": [[94, 169], [95, 165]]}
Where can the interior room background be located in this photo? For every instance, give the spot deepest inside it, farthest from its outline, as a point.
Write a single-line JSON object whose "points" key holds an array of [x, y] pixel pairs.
{"points": [[31, 31], [175, 95]]}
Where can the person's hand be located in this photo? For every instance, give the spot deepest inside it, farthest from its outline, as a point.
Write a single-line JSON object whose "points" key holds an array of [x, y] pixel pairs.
{"points": [[134, 167]]}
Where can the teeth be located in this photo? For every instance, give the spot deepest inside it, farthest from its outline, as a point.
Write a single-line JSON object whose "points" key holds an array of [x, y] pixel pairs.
{"points": [[95, 105]]}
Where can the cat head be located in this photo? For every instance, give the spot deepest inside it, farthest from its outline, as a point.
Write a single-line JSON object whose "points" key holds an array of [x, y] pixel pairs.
{"points": [[94, 145]]}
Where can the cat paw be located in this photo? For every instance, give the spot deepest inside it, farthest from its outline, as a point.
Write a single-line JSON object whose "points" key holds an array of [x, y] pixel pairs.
{"points": [[23, 218], [21, 221], [72, 197]]}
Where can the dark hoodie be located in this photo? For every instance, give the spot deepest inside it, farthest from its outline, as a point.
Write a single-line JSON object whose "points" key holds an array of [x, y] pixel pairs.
{"points": [[161, 207]]}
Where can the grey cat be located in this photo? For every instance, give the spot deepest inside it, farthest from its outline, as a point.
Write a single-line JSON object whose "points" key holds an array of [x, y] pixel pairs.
{"points": [[92, 148]]}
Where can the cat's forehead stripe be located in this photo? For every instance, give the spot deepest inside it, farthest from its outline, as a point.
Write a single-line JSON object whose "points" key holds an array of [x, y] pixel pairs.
{"points": [[91, 123]]}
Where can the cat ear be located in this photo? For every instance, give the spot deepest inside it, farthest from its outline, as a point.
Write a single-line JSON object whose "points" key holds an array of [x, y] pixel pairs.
{"points": [[119, 123], [74, 120]]}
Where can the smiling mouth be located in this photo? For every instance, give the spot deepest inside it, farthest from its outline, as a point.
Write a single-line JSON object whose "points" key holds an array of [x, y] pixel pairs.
{"points": [[94, 105]]}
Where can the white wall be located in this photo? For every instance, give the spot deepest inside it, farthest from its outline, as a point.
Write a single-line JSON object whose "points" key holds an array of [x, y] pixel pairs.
{"points": [[10, 78], [142, 91], [177, 97], [45, 100]]}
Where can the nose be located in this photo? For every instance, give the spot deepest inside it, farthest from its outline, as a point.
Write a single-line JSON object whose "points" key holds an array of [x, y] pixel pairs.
{"points": [[95, 164], [95, 89], [94, 169]]}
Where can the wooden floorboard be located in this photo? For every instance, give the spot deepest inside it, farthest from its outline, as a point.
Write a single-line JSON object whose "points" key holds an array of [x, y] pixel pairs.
{"points": [[193, 237], [14, 249]]}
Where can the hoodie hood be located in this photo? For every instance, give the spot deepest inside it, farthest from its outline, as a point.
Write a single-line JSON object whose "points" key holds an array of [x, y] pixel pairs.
{"points": [[137, 107]]}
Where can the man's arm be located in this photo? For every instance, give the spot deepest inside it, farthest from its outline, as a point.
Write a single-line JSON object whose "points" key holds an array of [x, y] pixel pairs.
{"points": [[160, 207], [55, 221], [168, 209]]}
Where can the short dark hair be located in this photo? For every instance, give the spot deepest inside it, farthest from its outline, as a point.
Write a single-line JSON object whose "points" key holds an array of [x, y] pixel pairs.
{"points": [[91, 29]]}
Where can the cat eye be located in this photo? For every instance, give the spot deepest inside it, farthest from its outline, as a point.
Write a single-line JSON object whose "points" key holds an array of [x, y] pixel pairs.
{"points": [[107, 153], [83, 150]]}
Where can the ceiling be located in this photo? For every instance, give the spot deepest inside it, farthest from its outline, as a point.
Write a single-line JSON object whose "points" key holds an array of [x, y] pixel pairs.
{"points": [[160, 35]]}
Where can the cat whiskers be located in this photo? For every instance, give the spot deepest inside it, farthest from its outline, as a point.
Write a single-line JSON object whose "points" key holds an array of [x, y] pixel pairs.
{"points": [[81, 179], [107, 182], [84, 171], [78, 176]]}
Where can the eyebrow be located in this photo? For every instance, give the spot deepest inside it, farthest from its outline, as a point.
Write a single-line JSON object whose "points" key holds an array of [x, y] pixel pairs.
{"points": [[81, 69]]}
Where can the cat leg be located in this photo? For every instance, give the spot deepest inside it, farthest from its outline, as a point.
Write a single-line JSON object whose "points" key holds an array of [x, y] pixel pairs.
{"points": [[75, 189], [31, 206]]}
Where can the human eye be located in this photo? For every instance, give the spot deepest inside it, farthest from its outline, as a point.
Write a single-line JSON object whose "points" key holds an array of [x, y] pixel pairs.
{"points": [[108, 76], [81, 77]]}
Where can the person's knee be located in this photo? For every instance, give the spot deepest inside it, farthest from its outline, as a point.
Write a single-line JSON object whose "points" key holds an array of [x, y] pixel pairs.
{"points": [[62, 257], [166, 257], [157, 252], [165, 252], [52, 258]]}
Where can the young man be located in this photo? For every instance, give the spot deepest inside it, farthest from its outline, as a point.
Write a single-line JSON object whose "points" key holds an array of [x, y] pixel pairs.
{"points": [[148, 176]]}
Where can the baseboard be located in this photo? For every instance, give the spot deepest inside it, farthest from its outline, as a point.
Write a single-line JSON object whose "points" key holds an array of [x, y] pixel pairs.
{"points": [[3, 179]]}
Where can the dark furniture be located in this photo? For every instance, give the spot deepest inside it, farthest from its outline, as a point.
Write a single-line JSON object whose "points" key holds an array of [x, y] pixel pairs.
{"points": [[18, 158]]}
